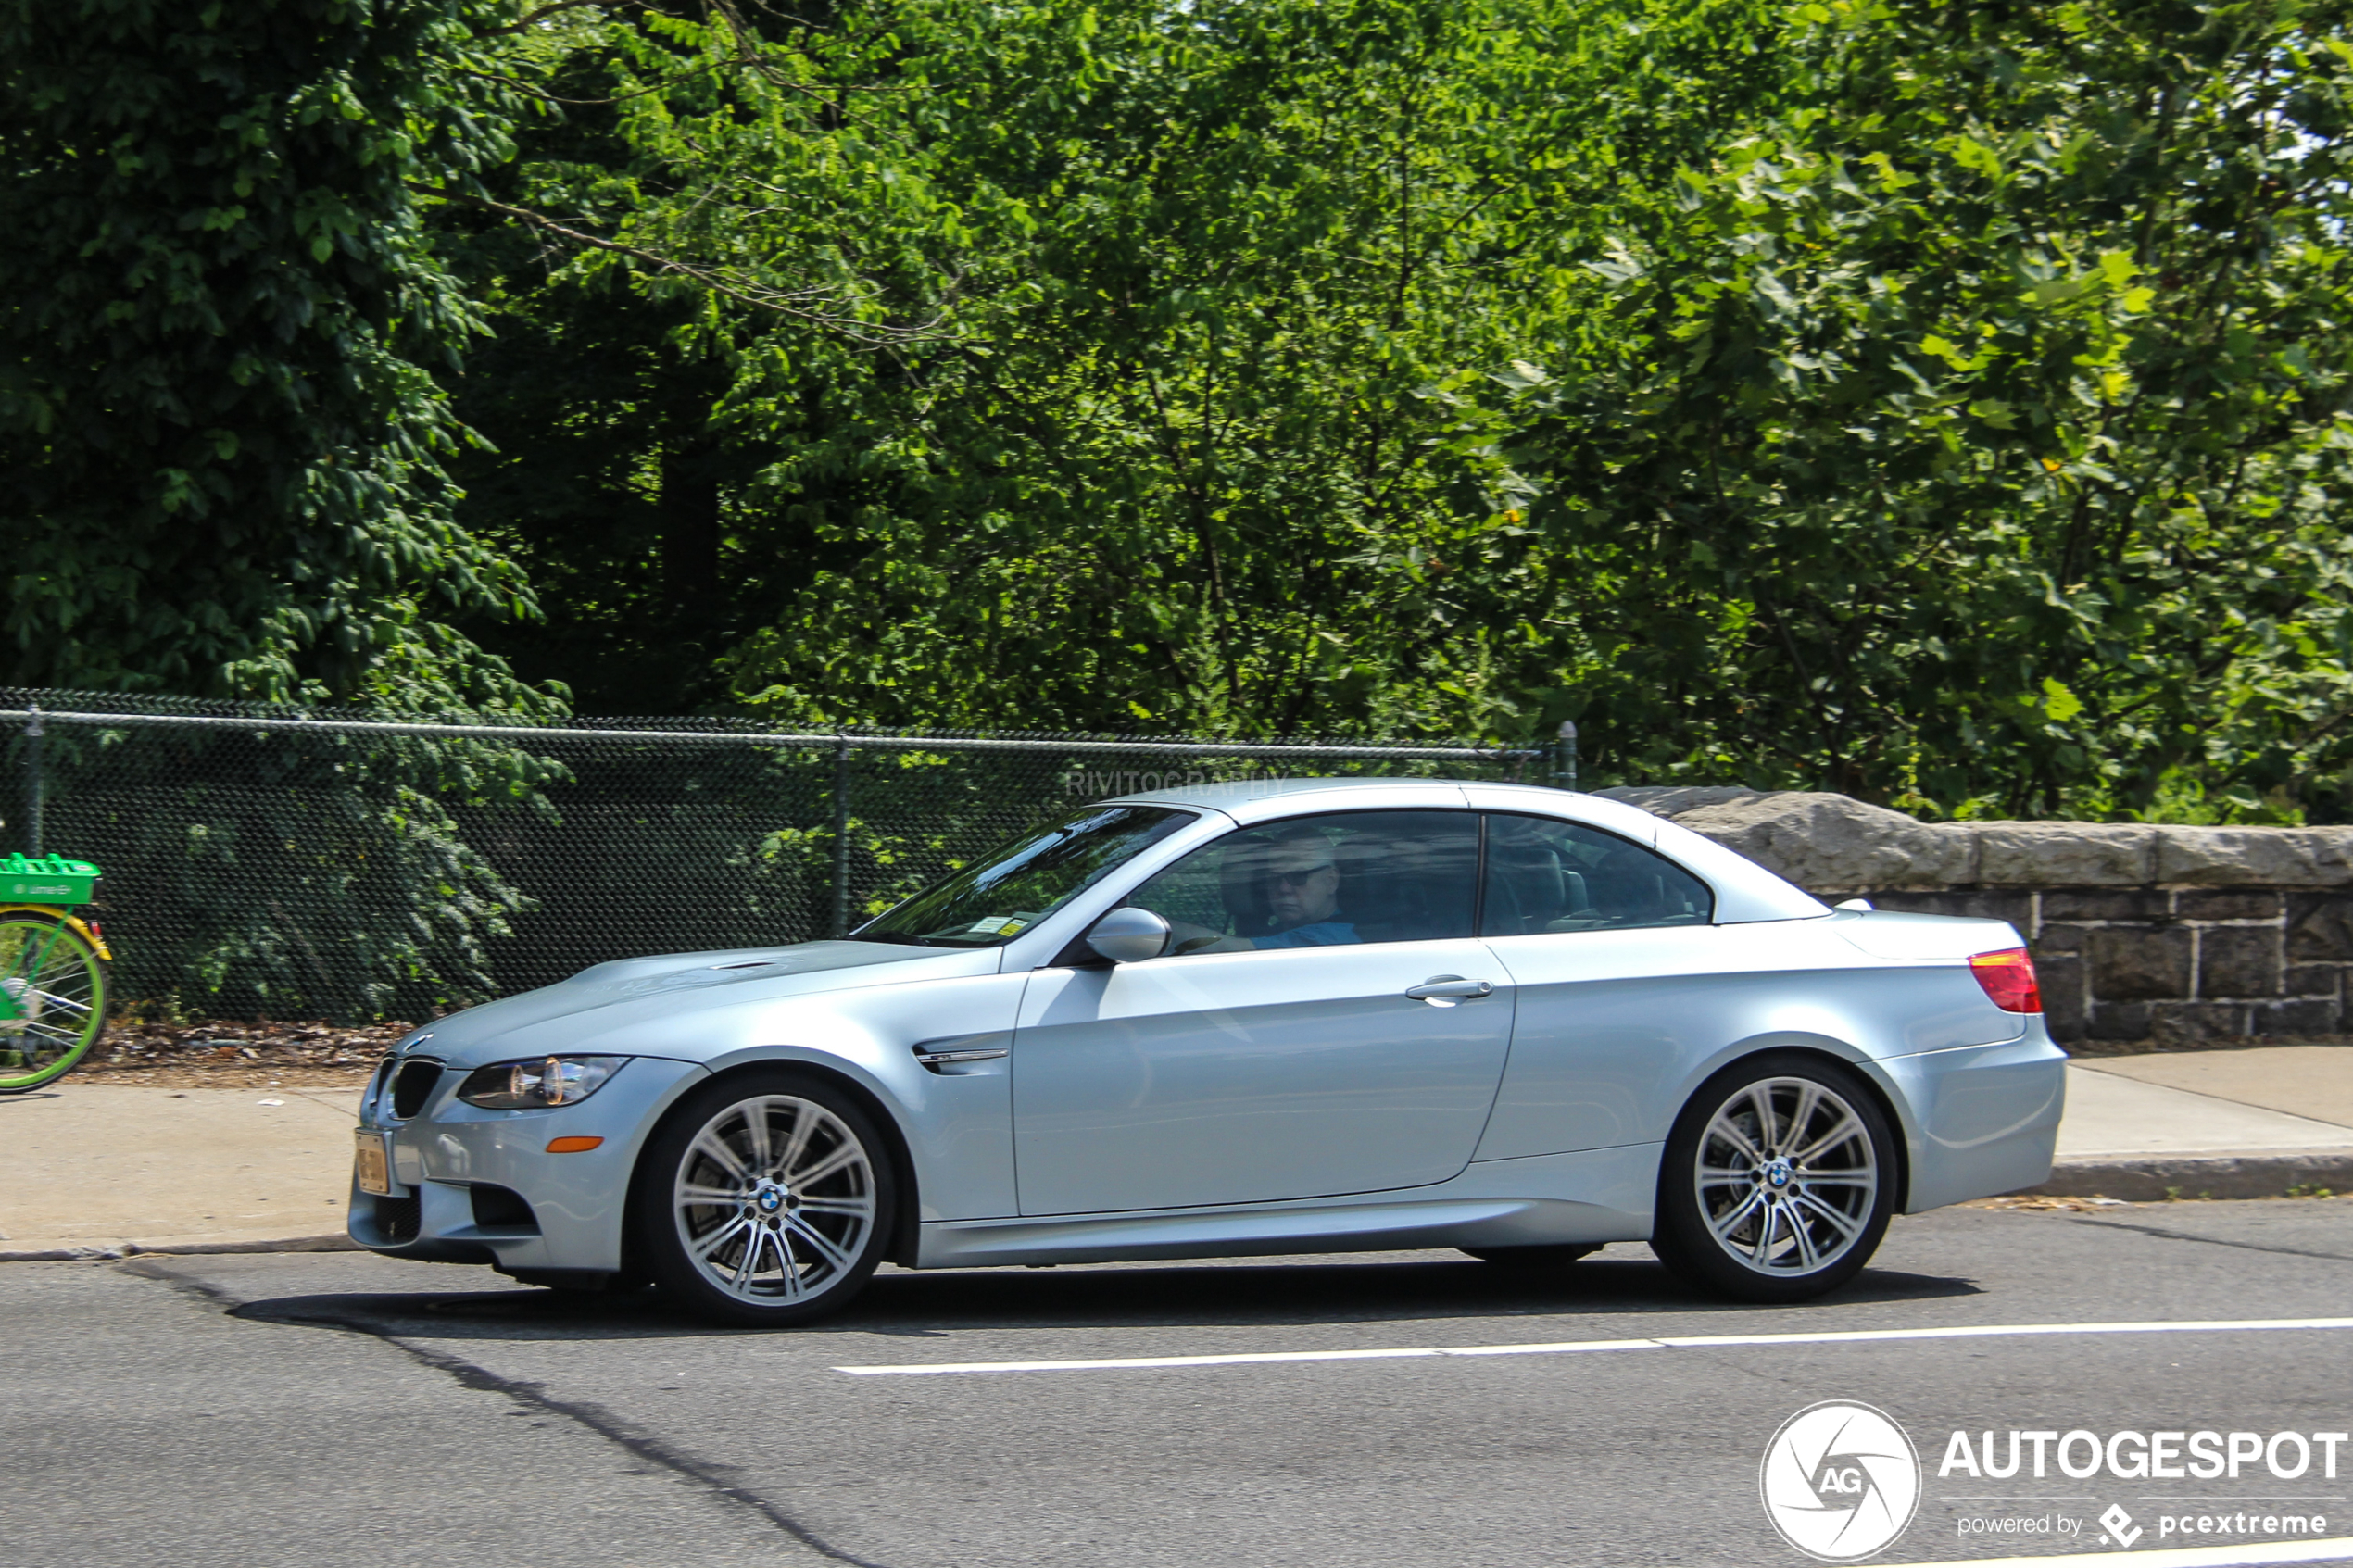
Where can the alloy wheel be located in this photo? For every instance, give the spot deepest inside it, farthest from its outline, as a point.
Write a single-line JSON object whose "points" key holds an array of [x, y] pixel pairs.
{"points": [[775, 1201]]}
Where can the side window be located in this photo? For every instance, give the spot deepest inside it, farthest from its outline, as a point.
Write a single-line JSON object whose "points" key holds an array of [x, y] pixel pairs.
{"points": [[1316, 882], [1544, 876]]}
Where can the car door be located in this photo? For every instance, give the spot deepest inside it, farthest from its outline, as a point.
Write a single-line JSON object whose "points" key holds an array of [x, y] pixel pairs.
{"points": [[1617, 969], [1292, 1048]]}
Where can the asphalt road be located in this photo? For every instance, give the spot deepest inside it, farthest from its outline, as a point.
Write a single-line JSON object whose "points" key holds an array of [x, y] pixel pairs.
{"points": [[339, 1409]]}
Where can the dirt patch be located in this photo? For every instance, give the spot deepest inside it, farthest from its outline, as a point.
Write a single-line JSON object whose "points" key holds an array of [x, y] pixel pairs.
{"points": [[216, 1053]]}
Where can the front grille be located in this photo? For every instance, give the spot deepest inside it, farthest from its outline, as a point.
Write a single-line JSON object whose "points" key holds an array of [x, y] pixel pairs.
{"points": [[412, 1085]]}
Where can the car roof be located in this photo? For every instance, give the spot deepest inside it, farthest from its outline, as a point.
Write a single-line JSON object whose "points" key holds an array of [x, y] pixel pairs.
{"points": [[1243, 792], [1744, 890]]}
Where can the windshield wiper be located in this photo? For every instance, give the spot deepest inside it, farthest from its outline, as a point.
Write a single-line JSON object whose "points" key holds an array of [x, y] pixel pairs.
{"points": [[895, 938]]}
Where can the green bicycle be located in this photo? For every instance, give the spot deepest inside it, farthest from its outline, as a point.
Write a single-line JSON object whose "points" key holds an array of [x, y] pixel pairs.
{"points": [[53, 970]]}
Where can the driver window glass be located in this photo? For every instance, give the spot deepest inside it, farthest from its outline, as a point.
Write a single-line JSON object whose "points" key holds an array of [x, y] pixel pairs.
{"points": [[1546, 876], [1317, 882]]}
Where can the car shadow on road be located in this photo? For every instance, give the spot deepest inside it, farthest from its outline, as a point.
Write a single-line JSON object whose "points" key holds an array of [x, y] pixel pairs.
{"points": [[941, 1304]]}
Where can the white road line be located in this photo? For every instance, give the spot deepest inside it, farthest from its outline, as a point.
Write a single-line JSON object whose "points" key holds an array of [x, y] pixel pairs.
{"points": [[2252, 1555], [1579, 1347]]}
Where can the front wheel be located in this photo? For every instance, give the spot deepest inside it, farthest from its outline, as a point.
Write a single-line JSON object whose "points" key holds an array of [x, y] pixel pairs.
{"points": [[765, 1200], [1776, 1182], [52, 1000]]}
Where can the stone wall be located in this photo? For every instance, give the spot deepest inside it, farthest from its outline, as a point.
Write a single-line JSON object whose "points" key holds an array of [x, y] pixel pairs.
{"points": [[2146, 935]]}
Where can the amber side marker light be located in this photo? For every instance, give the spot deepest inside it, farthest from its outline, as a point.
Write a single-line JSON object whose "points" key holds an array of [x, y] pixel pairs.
{"points": [[571, 1146], [2009, 979]]}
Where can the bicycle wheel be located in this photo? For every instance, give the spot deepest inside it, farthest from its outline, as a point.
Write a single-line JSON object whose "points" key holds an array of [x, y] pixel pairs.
{"points": [[55, 987]]}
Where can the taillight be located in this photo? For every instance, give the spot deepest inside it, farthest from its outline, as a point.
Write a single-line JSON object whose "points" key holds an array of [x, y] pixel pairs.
{"points": [[2008, 978]]}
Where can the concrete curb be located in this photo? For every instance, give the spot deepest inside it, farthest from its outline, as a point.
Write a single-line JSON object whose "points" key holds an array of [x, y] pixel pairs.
{"points": [[2152, 1178], [95, 1252]]}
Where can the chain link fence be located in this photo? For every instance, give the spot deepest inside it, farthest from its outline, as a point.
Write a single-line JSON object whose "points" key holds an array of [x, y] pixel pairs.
{"points": [[345, 865]]}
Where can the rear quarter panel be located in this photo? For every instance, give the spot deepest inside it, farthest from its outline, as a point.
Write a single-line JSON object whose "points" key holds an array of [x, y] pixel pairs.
{"points": [[1616, 1028]]}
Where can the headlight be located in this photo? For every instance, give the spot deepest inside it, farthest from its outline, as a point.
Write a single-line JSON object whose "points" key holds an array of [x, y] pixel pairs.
{"points": [[538, 1082]]}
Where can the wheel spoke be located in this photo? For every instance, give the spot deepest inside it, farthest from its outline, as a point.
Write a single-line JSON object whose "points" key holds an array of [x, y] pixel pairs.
{"points": [[708, 1145], [1838, 1178], [1848, 1126], [820, 1243], [838, 1160], [708, 1246], [797, 1143], [756, 1141], [1723, 1175], [691, 1197], [1809, 1100], [847, 1208], [1725, 1224], [1808, 1257], [1847, 1226], [1723, 1127], [1768, 1129], [1760, 1254]]}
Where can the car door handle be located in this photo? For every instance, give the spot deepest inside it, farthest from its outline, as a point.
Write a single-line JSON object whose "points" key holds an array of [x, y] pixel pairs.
{"points": [[1445, 990]]}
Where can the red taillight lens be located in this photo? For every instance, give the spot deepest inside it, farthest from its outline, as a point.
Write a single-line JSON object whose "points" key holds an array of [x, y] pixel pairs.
{"points": [[2008, 978]]}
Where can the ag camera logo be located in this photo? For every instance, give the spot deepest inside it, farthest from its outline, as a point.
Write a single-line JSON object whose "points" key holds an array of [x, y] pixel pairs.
{"points": [[1840, 1481]]}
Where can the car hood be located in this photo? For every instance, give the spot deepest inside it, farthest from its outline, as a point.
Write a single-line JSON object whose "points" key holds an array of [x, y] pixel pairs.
{"points": [[651, 992]]}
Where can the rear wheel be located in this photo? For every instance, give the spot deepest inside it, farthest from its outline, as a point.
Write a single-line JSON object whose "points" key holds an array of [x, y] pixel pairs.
{"points": [[765, 1200], [1777, 1181], [53, 992]]}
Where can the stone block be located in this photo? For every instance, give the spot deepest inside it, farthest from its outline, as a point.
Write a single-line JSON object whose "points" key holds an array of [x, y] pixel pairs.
{"points": [[2256, 857], [2131, 963], [2064, 854], [2311, 979], [1824, 843], [2063, 979], [2231, 904], [2117, 1021], [2320, 926], [2078, 903], [2061, 938], [2197, 1023], [2238, 960], [2312, 1017]]}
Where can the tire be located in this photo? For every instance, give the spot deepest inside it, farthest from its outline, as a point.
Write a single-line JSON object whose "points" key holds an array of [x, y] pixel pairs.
{"points": [[1777, 1182], [57, 988], [765, 1200], [1558, 1257]]}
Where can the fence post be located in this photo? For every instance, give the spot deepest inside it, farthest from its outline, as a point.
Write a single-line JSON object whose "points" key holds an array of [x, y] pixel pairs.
{"points": [[36, 792], [1565, 772], [841, 836]]}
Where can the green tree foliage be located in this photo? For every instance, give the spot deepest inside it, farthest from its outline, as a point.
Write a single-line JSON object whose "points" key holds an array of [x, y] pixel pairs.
{"points": [[1975, 429], [224, 453], [1059, 366]]}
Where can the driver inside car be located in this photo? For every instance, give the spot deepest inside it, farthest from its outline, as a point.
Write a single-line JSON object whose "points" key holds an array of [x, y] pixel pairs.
{"points": [[1288, 880]]}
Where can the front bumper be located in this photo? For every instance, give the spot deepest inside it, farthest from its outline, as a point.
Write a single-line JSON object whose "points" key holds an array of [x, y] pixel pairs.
{"points": [[479, 1187]]}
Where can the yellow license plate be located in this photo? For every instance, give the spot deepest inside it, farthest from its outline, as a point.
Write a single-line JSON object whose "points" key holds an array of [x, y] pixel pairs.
{"points": [[371, 1164]]}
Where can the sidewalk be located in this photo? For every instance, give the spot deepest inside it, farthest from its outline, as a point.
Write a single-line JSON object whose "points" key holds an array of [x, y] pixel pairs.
{"points": [[90, 1169], [93, 1170], [2243, 1124]]}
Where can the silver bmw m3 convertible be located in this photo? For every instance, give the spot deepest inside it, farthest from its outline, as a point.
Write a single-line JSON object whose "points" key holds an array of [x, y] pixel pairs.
{"points": [[1313, 1015]]}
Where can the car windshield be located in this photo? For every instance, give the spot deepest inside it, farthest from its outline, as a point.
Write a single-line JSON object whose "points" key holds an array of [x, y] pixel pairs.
{"points": [[998, 897]]}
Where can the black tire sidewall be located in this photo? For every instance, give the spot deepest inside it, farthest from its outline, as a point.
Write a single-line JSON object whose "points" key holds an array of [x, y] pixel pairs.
{"points": [[1681, 1238], [654, 1233]]}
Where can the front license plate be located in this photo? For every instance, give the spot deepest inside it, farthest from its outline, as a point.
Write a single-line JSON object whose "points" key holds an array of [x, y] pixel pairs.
{"points": [[372, 1164]]}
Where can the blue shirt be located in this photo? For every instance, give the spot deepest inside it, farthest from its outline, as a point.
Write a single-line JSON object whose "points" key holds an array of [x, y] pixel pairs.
{"points": [[1322, 934]]}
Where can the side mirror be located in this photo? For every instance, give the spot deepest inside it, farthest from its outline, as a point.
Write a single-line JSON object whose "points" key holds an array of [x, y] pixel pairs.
{"points": [[1128, 934]]}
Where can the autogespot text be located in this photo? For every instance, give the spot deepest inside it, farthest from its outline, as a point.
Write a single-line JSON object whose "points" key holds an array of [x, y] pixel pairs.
{"points": [[2144, 1456]]}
